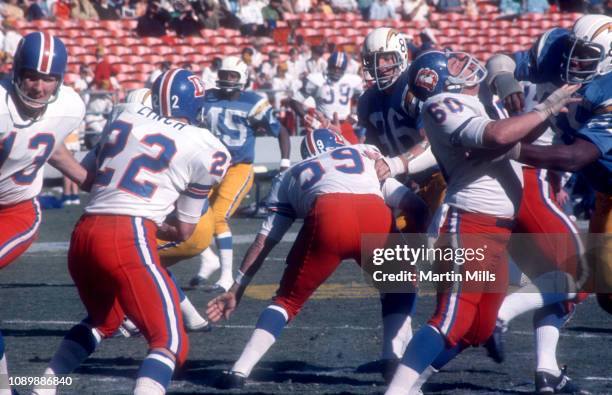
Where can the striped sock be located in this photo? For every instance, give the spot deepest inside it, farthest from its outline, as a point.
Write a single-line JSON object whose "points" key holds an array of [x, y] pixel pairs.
{"points": [[154, 374]]}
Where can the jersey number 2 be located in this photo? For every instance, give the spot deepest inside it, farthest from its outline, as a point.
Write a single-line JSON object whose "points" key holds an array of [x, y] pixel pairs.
{"points": [[154, 164]]}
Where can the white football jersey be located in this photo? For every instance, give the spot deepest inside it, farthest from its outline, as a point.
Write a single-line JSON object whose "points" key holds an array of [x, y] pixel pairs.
{"points": [[26, 145], [146, 163], [333, 96], [343, 170], [455, 125]]}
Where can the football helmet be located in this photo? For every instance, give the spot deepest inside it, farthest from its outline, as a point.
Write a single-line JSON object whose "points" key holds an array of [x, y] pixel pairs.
{"points": [[336, 65], [45, 54], [178, 93], [589, 50], [435, 72], [140, 96], [319, 141], [235, 65], [388, 46]]}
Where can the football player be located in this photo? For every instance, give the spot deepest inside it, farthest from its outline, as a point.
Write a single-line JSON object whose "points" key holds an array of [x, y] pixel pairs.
{"points": [[482, 199], [334, 184], [234, 115], [150, 163], [579, 56], [334, 92], [36, 114], [389, 114]]}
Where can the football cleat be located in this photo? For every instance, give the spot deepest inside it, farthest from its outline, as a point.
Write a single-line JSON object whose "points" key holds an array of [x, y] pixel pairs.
{"points": [[202, 326], [127, 329], [547, 383], [495, 344], [197, 281], [229, 380]]}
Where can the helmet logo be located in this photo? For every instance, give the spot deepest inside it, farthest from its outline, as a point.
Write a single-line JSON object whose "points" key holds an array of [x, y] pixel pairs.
{"points": [[427, 79], [607, 26], [198, 85]]}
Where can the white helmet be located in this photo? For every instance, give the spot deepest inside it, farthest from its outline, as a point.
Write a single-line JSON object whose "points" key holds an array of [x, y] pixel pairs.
{"points": [[589, 52], [140, 96], [236, 65], [378, 43]]}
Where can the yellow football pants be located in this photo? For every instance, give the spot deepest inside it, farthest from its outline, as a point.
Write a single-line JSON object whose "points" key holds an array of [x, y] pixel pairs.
{"points": [[224, 199]]}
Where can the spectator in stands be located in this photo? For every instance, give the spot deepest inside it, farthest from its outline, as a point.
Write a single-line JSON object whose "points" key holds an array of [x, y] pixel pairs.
{"points": [[162, 68], [303, 49], [10, 38], [364, 8], [295, 66], [510, 8], [34, 11], [324, 7], [271, 14], [268, 68], [301, 6], [10, 9], [450, 5], [382, 9], [354, 62], [186, 23], [537, 6], [62, 9], [84, 9], [257, 45], [415, 10], [340, 6], [316, 63], [209, 74], [98, 109], [83, 82], [247, 58], [106, 12], [154, 22], [208, 12], [251, 18], [103, 72]]}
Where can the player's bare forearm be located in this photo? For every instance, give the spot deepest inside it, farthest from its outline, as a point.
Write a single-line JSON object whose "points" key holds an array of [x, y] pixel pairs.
{"points": [[284, 143], [297, 107], [253, 260], [560, 157], [174, 230], [63, 161]]}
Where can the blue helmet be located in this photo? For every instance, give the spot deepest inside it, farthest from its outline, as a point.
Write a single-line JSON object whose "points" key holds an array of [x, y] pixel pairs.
{"points": [[429, 73], [178, 93], [336, 65], [319, 141], [42, 53]]}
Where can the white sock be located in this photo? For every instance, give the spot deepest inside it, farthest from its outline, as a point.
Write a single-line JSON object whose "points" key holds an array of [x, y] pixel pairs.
{"points": [[5, 388], [403, 380], [547, 337], [427, 373], [209, 263], [147, 386], [227, 257], [395, 343], [519, 302], [259, 343], [190, 314]]}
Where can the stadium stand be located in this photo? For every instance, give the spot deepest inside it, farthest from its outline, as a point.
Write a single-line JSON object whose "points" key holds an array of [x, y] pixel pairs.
{"points": [[134, 57]]}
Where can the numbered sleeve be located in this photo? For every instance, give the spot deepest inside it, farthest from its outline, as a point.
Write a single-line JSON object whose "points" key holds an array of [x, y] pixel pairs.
{"points": [[204, 174], [263, 114], [462, 125]]}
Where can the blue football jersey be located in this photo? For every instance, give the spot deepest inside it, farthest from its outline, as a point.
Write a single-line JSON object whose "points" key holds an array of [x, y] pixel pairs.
{"points": [[590, 120], [234, 122], [390, 126]]}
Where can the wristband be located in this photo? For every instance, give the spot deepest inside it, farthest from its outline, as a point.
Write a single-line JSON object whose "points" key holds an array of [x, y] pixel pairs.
{"points": [[242, 279], [285, 162], [396, 165]]}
